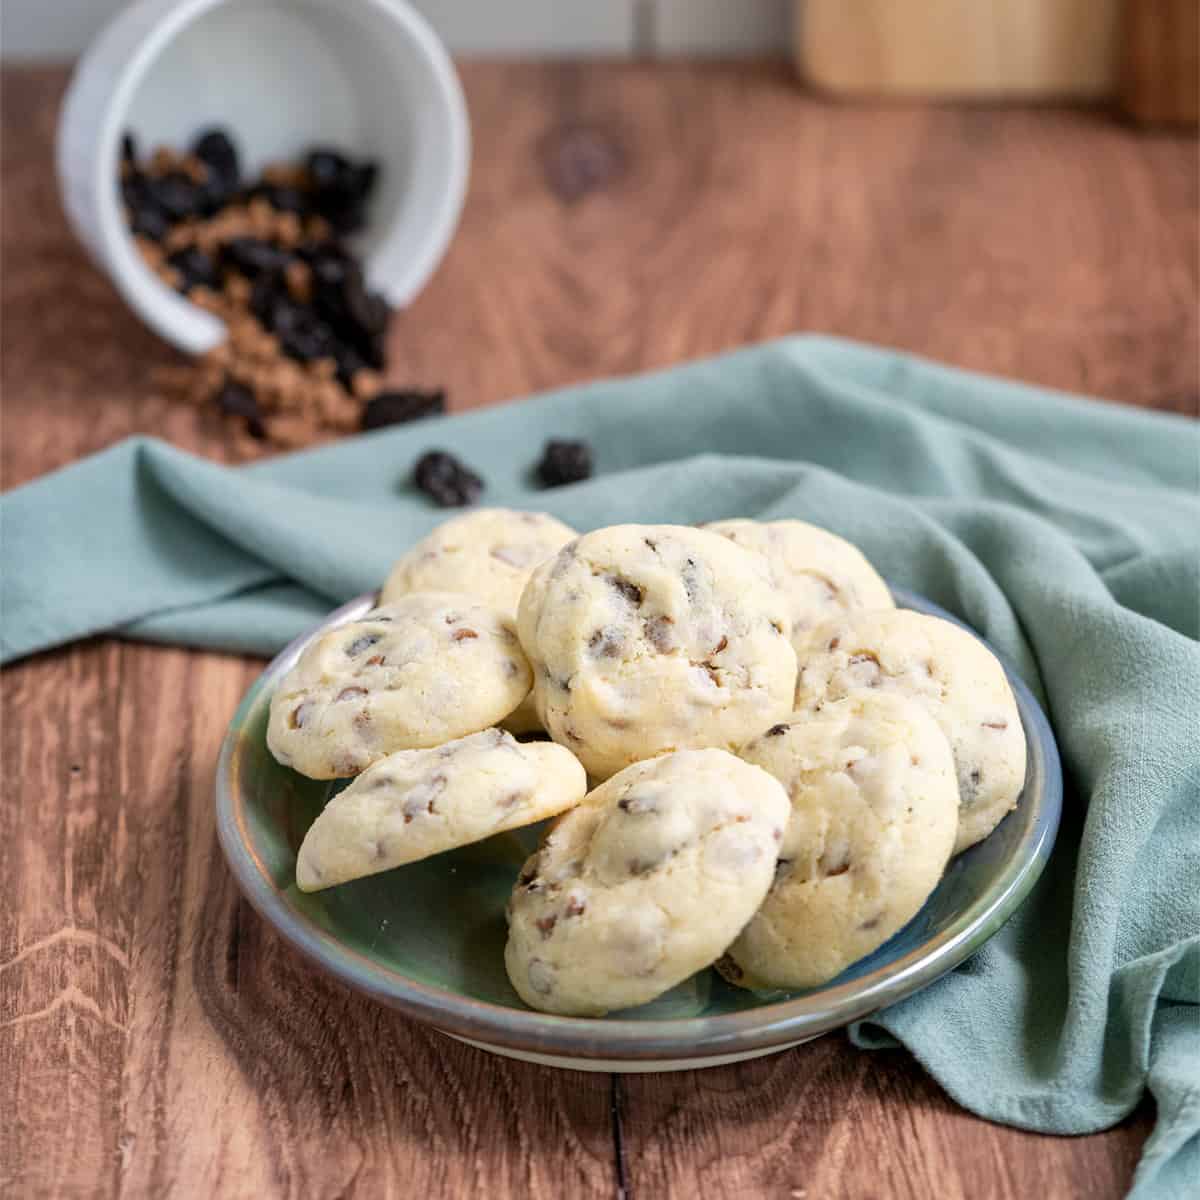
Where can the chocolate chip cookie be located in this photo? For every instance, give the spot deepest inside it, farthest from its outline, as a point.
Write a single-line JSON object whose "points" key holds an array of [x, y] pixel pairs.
{"points": [[430, 667], [488, 553], [952, 674], [644, 883], [652, 638], [874, 812], [819, 574]]}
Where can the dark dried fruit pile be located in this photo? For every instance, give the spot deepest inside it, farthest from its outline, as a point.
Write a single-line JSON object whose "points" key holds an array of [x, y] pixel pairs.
{"points": [[306, 335]]}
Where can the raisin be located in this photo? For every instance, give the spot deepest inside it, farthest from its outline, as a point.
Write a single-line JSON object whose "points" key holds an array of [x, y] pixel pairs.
{"points": [[630, 591], [149, 221], [605, 643], [729, 969], [196, 268], [445, 480], [253, 256], [637, 804], [283, 198], [325, 167], [564, 462], [658, 634], [302, 334], [396, 408], [777, 730], [215, 149], [236, 400], [362, 642], [176, 195]]}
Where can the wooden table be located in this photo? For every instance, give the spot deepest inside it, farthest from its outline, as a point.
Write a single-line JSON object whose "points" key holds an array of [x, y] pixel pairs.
{"points": [[155, 1037]]}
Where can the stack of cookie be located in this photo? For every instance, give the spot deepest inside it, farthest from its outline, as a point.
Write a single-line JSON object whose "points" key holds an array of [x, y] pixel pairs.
{"points": [[781, 762]]}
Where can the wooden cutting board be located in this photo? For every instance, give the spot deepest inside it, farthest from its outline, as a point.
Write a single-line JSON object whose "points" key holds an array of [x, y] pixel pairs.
{"points": [[989, 48]]}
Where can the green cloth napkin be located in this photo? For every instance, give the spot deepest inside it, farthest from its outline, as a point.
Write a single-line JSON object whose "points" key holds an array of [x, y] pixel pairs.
{"points": [[1066, 531]]}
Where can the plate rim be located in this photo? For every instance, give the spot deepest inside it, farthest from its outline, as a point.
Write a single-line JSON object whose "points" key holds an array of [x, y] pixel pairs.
{"points": [[775, 1023]]}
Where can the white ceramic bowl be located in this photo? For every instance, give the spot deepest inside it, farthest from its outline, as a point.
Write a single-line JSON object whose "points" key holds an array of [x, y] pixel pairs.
{"points": [[368, 77]]}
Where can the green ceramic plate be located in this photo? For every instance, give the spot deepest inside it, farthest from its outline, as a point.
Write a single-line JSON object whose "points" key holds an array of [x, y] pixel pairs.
{"points": [[428, 938]]}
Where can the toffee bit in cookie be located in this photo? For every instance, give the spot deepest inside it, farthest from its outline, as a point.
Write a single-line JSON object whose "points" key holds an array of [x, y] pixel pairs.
{"points": [[396, 408], [445, 480], [564, 462]]}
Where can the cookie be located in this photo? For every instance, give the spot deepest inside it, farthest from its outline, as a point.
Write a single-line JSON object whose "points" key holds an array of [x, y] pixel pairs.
{"points": [[820, 574], [644, 883], [652, 638], [488, 553], [956, 678], [874, 812], [415, 803], [430, 667]]}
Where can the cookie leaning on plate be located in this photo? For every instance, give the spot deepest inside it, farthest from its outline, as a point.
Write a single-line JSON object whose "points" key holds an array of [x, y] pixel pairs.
{"points": [[430, 667], [819, 574], [644, 883], [953, 675], [651, 638], [420, 802], [874, 813]]}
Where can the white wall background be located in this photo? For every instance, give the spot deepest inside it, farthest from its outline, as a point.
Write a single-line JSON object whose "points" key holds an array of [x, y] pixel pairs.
{"points": [[56, 29]]}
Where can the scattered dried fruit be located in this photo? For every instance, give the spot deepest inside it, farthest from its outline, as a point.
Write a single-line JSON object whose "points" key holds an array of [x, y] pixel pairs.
{"points": [[445, 480], [396, 408], [564, 462]]}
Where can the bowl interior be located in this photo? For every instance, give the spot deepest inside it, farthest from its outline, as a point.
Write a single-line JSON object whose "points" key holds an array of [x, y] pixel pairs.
{"points": [[440, 923], [365, 76]]}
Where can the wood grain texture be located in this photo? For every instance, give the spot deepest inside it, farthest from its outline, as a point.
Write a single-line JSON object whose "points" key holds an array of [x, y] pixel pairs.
{"points": [[1160, 61], [155, 1037]]}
